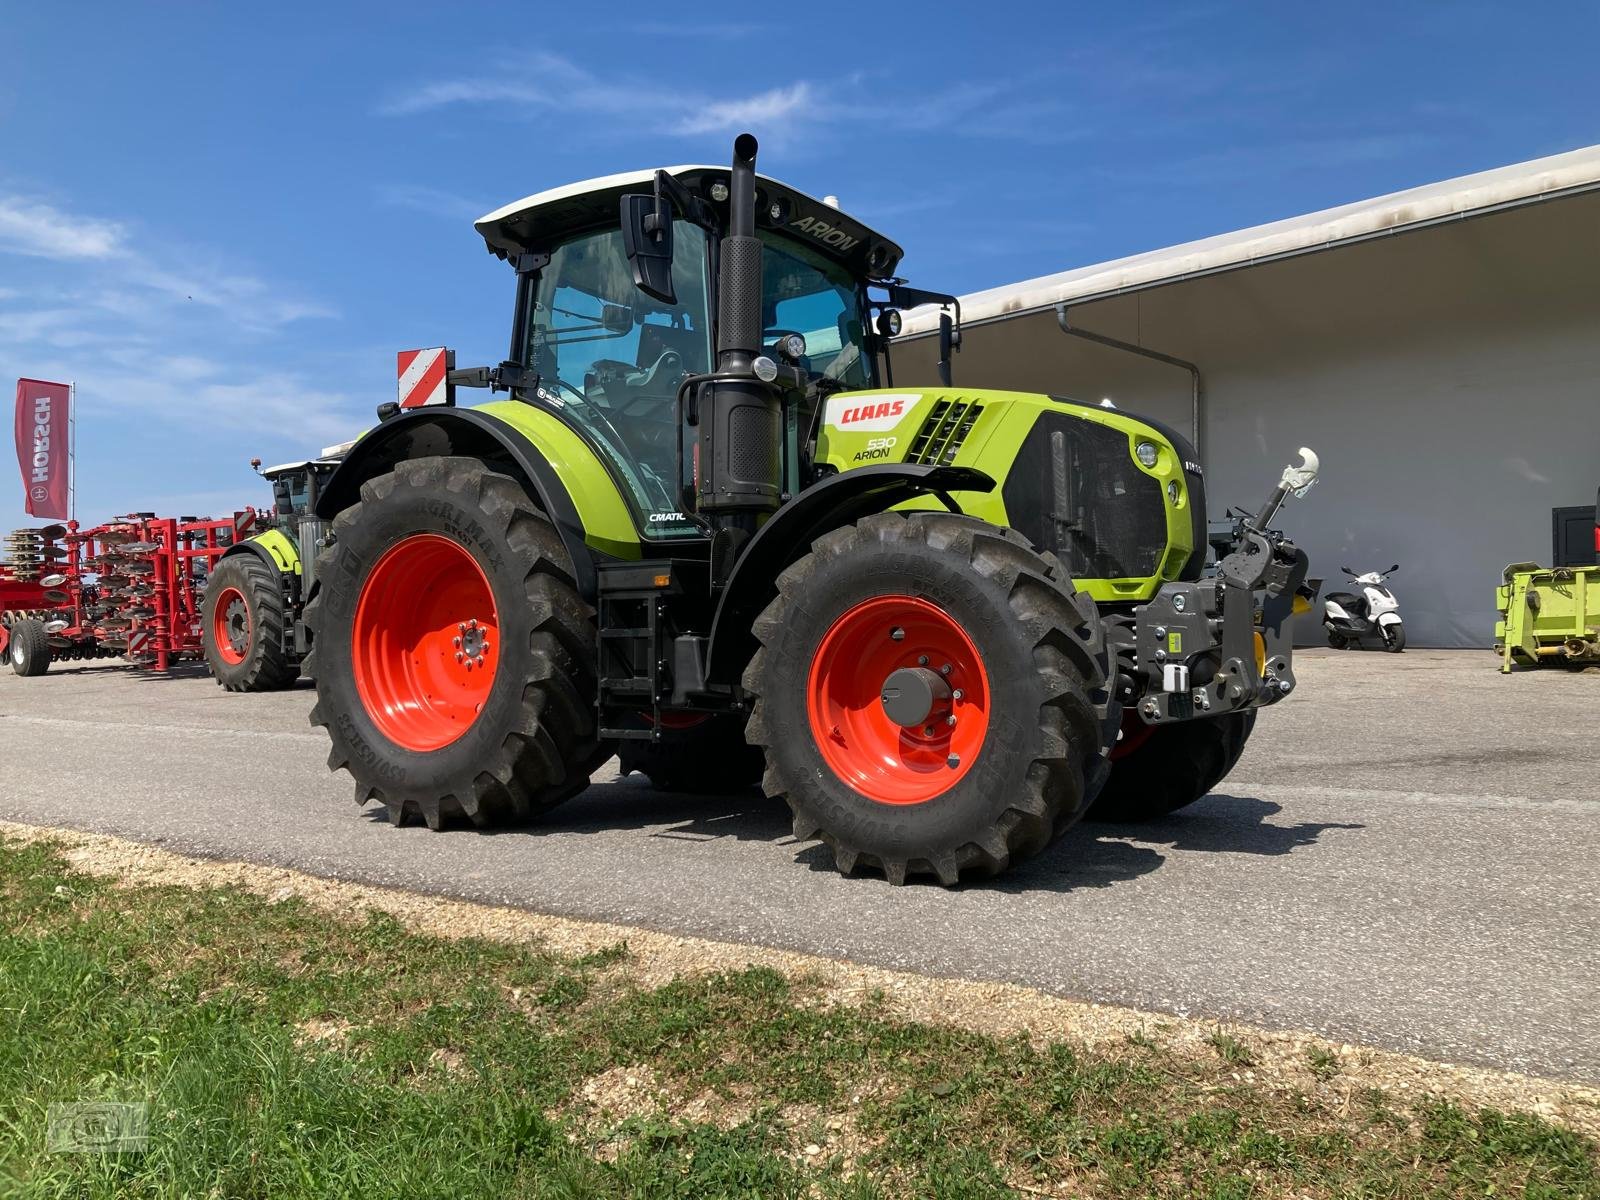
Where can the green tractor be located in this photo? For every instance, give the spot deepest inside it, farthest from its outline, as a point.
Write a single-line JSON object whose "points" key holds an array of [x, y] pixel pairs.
{"points": [[251, 629], [702, 518]]}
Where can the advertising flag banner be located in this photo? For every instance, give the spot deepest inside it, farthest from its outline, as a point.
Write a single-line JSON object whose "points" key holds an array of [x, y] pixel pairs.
{"points": [[43, 446]]}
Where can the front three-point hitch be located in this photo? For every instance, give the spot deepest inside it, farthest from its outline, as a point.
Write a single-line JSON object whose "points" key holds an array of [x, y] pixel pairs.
{"points": [[1224, 643]]}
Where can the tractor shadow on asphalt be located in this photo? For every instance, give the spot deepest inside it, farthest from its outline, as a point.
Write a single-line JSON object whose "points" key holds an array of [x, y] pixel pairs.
{"points": [[1091, 855]]}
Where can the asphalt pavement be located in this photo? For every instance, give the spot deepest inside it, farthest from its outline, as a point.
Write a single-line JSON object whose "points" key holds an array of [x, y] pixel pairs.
{"points": [[1407, 856]]}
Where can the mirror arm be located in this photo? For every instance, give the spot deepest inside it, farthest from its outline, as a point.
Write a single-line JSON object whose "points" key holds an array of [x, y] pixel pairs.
{"points": [[689, 206]]}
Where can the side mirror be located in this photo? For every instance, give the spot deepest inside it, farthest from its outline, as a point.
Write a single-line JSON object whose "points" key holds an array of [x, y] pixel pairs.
{"points": [[1392, 569], [1347, 570], [949, 339], [616, 319], [647, 241]]}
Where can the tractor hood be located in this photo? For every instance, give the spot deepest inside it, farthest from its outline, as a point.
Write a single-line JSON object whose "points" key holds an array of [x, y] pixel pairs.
{"points": [[539, 221]]}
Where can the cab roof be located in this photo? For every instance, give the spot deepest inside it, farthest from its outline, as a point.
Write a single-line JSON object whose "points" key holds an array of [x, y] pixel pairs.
{"points": [[539, 221]]}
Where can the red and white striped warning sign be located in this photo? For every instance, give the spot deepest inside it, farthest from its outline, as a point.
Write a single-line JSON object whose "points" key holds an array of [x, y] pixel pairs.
{"points": [[138, 641], [422, 376]]}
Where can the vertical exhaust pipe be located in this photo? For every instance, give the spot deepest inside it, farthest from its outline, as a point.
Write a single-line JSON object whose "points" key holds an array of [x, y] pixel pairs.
{"points": [[739, 280], [741, 426]]}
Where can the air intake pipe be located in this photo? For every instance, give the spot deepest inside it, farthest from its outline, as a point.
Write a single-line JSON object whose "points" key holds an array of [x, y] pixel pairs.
{"points": [[741, 421]]}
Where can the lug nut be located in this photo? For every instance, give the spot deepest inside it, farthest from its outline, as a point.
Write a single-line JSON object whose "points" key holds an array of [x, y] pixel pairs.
{"points": [[950, 720], [927, 731], [957, 694], [457, 642], [922, 660], [945, 670], [953, 761], [460, 656]]}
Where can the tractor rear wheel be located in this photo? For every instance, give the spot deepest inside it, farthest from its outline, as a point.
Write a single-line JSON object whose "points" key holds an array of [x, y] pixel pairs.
{"points": [[1169, 766], [28, 647], [705, 755], [931, 696], [453, 657], [242, 626]]}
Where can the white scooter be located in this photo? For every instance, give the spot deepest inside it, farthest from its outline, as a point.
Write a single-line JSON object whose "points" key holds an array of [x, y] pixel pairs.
{"points": [[1371, 619]]}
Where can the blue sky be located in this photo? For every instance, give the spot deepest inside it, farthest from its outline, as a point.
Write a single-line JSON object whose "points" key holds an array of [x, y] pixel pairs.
{"points": [[223, 220]]}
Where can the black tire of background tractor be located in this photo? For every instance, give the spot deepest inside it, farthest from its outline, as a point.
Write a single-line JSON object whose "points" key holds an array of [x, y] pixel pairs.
{"points": [[1174, 767], [267, 666], [535, 744], [29, 648], [1394, 639], [711, 757], [1044, 654]]}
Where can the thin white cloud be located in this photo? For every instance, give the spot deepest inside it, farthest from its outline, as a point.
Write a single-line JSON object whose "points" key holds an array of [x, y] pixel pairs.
{"points": [[460, 91], [43, 231], [764, 109], [548, 83], [436, 202]]}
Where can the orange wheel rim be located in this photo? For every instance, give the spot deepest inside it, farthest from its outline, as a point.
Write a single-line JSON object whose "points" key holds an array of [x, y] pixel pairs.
{"points": [[230, 626], [868, 743], [425, 643]]}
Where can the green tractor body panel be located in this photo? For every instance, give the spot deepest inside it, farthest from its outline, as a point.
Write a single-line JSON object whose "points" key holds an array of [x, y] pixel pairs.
{"points": [[1067, 474], [282, 548], [607, 524]]}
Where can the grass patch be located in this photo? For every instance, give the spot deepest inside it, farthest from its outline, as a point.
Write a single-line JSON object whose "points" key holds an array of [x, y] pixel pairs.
{"points": [[286, 1052]]}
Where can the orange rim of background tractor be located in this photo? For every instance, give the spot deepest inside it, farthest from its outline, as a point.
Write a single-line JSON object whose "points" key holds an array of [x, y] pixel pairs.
{"points": [[878, 757], [425, 642], [232, 644]]}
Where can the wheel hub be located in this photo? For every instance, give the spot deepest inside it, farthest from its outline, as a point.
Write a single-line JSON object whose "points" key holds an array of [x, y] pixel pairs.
{"points": [[898, 699], [913, 696], [424, 642], [238, 620]]}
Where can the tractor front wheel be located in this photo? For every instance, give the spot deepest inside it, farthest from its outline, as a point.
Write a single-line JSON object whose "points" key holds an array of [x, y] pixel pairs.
{"points": [[930, 696], [1156, 770], [28, 647], [454, 659], [242, 625]]}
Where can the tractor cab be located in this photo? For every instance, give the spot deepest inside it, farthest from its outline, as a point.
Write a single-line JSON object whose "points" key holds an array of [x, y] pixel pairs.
{"points": [[295, 486], [612, 318]]}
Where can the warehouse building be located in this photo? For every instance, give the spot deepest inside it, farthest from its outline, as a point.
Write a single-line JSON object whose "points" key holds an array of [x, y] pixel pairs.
{"points": [[1438, 347]]}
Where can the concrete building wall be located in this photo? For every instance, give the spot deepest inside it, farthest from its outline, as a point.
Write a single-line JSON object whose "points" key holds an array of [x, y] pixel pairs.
{"points": [[1449, 377]]}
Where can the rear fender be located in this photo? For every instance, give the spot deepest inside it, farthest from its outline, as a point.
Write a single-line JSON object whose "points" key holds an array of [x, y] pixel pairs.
{"points": [[469, 433], [835, 502]]}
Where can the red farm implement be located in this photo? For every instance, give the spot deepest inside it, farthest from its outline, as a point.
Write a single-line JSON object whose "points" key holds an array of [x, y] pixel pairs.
{"points": [[130, 588]]}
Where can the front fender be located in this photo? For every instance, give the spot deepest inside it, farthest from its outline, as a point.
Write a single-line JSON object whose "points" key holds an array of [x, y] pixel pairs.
{"points": [[488, 435], [837, 501], [274, 548]]}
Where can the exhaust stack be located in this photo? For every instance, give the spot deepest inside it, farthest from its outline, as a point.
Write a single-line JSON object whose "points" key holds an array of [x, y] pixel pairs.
{"points": [[741, 422]]}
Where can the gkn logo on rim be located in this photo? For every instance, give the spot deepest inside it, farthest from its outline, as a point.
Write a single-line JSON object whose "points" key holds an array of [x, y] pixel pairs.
{"points": [[867, 414]]}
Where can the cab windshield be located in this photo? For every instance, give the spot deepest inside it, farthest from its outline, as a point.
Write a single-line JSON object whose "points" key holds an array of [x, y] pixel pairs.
{"points": [[612, 358], [803, 292]]}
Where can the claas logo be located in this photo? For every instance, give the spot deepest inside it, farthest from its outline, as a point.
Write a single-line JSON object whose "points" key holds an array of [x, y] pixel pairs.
{"points": [[868, 414], [871, 412]]}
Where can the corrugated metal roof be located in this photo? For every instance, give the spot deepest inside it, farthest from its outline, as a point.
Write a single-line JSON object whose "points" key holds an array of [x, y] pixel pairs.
{"points": [[1450, 199]]}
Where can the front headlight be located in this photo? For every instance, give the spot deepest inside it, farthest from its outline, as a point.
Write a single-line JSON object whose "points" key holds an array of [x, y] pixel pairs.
{"points": [[1147, 453]]}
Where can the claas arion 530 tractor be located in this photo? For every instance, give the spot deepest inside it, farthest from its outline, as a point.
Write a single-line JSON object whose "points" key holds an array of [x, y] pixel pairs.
{"points": [[702, 516]]}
